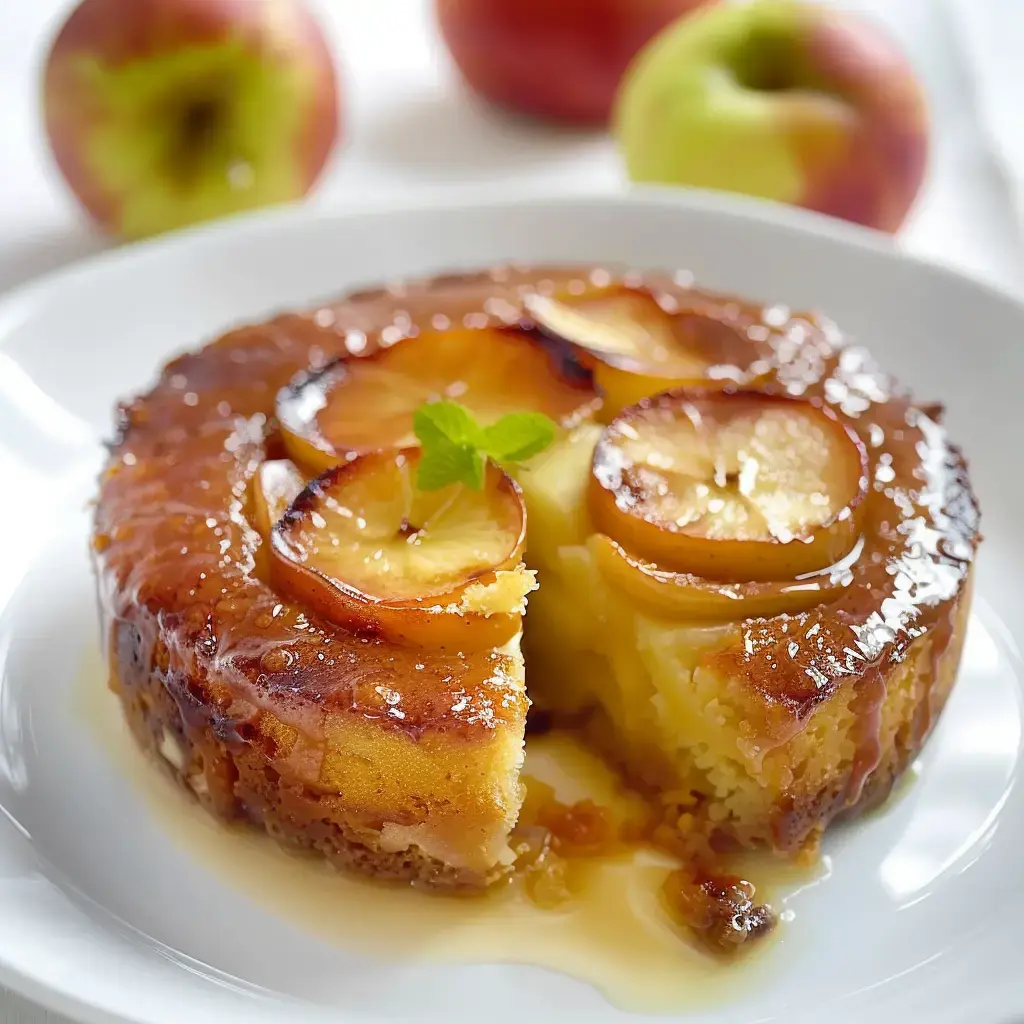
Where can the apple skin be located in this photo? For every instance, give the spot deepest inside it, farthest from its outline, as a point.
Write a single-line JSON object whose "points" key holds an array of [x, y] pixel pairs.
{"points": [[795, 102], [163, 113], [559, 60]]}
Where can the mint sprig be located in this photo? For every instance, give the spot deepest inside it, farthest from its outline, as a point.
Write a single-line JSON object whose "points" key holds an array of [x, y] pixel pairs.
{"points": [[455, 448]]}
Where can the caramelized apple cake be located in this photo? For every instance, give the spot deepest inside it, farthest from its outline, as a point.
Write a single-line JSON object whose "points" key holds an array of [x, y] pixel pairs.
{"points": [[747, 555]]}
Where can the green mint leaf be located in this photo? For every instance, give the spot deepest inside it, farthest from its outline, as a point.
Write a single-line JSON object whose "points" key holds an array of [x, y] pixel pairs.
{"points": [[443, 463], [517, 436], [455, 449], [477, 471], [445, 421]]}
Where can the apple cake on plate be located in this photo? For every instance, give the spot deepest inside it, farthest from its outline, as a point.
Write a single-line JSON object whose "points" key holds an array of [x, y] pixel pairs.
{"points": [[746, 551]]}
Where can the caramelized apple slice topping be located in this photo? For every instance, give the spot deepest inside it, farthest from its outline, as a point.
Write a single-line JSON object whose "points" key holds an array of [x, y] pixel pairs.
{"points": [[364, 404], [275, 485], [636, 349], [680, 596], [731, 485], [363, 546], [624, 328]]}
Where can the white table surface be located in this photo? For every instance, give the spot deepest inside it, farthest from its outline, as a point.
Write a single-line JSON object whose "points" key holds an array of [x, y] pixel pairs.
{"points": [[408, 124]]}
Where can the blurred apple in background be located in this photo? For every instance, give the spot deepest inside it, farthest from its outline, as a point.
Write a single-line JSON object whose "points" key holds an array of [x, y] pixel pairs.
{"points": [[162, 113], [557, 59], [789, 101]]}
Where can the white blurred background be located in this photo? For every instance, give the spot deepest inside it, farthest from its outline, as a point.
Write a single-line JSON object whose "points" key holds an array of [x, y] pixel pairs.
{"points": [[409, 124]]}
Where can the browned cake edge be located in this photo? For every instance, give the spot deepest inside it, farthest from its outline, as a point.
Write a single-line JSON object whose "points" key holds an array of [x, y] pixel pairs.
{"points": [[235, 783]]}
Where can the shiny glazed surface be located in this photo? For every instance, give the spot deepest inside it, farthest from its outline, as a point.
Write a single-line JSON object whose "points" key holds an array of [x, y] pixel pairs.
{"points": [[174, 546]]}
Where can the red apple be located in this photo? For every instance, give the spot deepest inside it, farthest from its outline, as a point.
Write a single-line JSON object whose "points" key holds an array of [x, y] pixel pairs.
{"points": [[558, 59], [791, 101], [162, 113]]}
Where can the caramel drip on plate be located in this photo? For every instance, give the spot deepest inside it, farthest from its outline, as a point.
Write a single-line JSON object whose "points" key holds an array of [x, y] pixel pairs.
{"points": [[555, 842], [615, 933]]}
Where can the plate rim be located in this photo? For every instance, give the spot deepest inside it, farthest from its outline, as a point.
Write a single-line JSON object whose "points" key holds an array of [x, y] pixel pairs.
{"points": [[490, 198]]}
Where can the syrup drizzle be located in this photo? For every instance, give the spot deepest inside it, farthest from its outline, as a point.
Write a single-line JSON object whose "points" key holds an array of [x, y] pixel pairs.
{"points": [[615, 932]]}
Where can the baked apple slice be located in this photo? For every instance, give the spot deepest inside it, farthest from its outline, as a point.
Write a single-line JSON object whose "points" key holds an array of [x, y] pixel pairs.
{"points": [[730, 485], [363, 404], [275, 485], [364, 547], [684, 597], [634, 348]]}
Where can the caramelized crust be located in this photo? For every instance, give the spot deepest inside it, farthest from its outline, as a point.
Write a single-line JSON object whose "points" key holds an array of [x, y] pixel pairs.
{"points": [[404, 761], [377, 736], [762, 730]]}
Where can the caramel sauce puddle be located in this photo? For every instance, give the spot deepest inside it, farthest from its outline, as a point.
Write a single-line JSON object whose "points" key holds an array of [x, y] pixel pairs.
{"points": [[613, 930]]}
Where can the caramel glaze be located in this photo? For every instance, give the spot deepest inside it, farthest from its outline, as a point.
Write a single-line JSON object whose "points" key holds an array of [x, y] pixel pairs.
{"points": [[553, 839], [176, 555]]}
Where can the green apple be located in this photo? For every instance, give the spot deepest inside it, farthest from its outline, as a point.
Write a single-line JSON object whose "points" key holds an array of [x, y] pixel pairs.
{"points": [[791, 101], [163, 113]]}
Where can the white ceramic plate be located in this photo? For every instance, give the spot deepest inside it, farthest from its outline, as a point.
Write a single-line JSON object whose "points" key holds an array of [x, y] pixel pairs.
{"points": [[102, 916]]}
